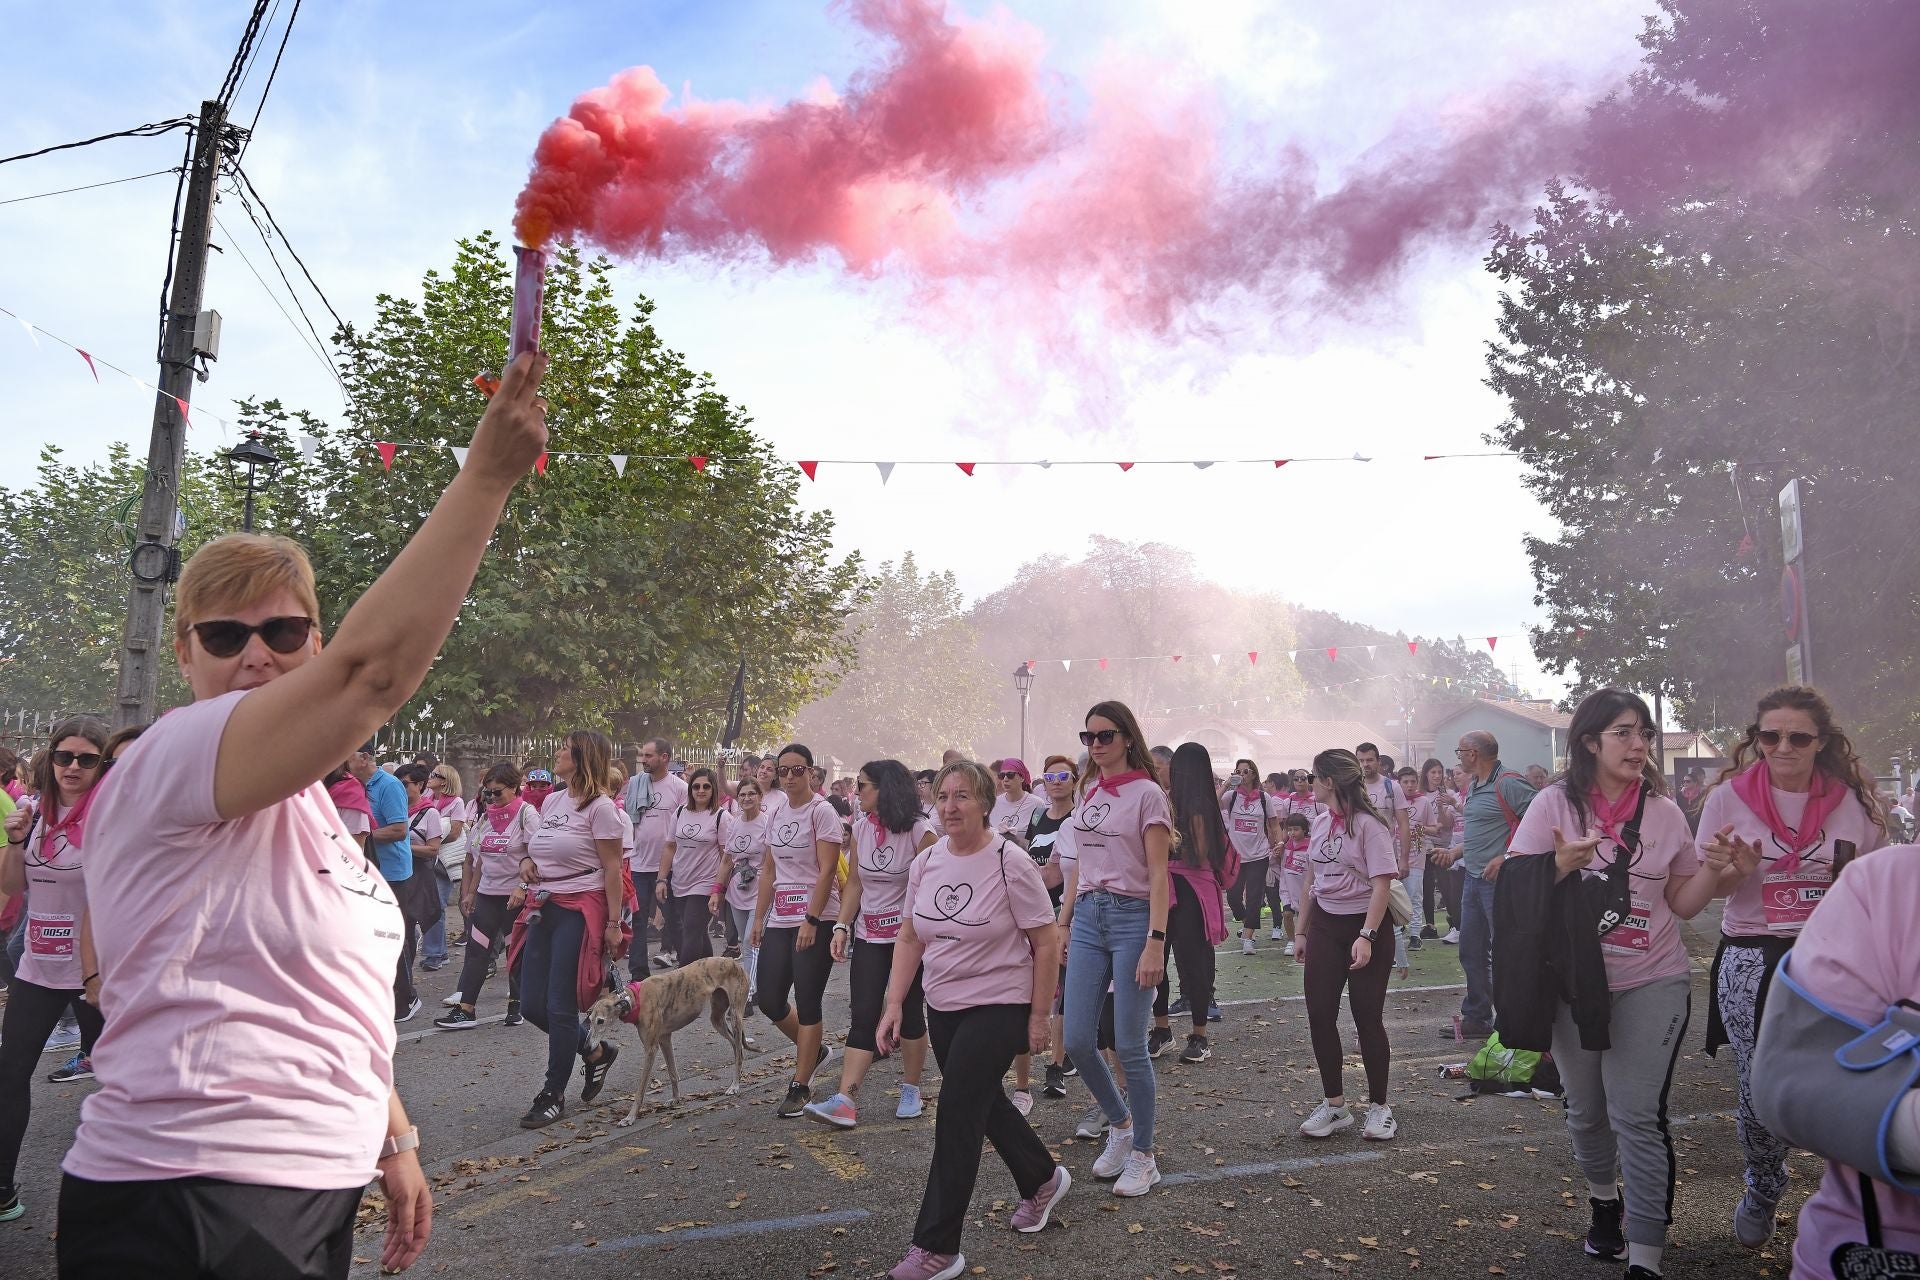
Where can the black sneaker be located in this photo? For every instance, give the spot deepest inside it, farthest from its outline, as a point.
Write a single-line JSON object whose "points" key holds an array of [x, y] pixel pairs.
{"points": [[732, 952], [547, 1108], [513, 1014], [594, 1074], [1428, 932], [10, 1206], [1197, 1049], [456, 1019], [1604, 1239], [1413, 942], [1213, 1011], [1157, 1041], [795, 1103], [1069, 1070], [409, 1013], [1056, 1085], [1178, 1007], [1642, 1273]]}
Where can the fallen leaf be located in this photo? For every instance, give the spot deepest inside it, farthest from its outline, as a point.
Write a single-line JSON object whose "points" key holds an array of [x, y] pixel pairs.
{"points": [[1134, 1228]]}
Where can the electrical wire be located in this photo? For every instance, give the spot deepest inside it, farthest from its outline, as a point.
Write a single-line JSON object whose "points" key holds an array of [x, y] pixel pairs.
{"points": [[267, 242], [151, 130], [271, 73], [231, 84], [268, 290], [253, 57], [91, 186], [274, 223]]}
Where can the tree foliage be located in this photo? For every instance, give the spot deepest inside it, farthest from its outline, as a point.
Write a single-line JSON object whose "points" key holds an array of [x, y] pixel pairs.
{"points": [[608, 600], [1677, 341]]}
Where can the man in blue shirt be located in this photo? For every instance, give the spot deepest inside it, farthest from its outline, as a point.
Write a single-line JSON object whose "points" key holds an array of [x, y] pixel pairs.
{"points": [[1496, 800], [387, 797]]}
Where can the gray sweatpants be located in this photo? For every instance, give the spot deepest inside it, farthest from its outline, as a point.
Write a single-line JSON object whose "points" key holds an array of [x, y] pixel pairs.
{"points": [[1617, 1100]]}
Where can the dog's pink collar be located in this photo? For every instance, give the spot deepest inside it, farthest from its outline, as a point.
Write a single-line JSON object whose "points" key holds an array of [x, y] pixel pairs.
{"points": [[636, 995]]}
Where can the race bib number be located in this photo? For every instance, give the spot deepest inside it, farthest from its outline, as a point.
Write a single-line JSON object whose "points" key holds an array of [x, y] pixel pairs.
{"points": [[495, 842], [1246, 826], [1789, 897], [789, 905], [1635, 933], [881, 928], [53, 936]]}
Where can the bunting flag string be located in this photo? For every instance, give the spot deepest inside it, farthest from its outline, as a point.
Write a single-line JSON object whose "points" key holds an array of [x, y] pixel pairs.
{"points": [[1253, 655], [96, 363], [1248, 702]]}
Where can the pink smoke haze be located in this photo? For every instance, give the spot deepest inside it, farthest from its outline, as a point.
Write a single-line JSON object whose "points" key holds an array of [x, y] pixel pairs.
{"points": [[953, 162]]}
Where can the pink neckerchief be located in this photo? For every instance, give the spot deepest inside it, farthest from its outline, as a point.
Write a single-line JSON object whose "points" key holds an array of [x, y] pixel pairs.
{"points": [[502, 816], [1114, 783], [880, 832], [1610, 816], [71, 825], [426, 802], [1248, 793], [1339, 823], [350, 796], [1754, 786]]}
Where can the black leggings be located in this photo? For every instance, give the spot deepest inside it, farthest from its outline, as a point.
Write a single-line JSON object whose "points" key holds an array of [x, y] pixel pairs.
{"points": [[493, 921], [974, 1048], [1187, 936], [691, 919], [203, 1229], [1249, 893], [872, 966], [32, 1011], [1330, 941], [784, 967]]}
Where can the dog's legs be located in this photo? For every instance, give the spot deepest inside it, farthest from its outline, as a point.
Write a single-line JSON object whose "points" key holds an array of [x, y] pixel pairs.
{"points": [[673, 1070], [646, 1075]]}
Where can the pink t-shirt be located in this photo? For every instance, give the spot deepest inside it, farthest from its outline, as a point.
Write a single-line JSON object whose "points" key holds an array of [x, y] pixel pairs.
{"points": [[1771, 901], [1391, 800], [793, 838], [247, 978], [1344, 862], [504, 835], [1647, 945], [423, 828], [1010, 817], [564, 848], [1246, 819], [1305, 804], [1110, 835], [1860, 954], [971, 913], [883, 864], [696, 837], [56, 899], [746, 854], [650, 832]]}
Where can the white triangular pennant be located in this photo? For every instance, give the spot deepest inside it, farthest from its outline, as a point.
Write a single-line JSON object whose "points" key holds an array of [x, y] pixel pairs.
{"points": [[1203, 465], [1216, 658], [1293, 655], [1370, 649], [619, 461], [459, 456], [886, 469], [28, 326], [310, 447], [1066, 664]]}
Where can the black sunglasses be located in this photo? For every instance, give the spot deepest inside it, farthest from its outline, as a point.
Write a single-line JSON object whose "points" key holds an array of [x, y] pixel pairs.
{"points": [[1008, 774], [85, 759], [226, 637], [491, 794], [1800, 741], [1104, 737], [794, 770]]}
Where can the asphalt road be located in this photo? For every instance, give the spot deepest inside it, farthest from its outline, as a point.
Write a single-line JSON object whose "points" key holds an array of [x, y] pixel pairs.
{"points": [[721, 1187]]}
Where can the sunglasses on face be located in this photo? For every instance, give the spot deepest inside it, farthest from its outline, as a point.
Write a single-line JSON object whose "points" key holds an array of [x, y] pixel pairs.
{"points": [[67, 759], [794, 770], [225, 637], [1061, 776], [492, 795], [1627, 733], [1104, 737], [700, 786], [1799, 741], [1008, 774]]}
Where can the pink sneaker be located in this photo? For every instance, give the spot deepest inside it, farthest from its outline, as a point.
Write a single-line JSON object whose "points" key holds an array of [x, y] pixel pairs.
{"points": [[921, 1265], [1033, 1213]]}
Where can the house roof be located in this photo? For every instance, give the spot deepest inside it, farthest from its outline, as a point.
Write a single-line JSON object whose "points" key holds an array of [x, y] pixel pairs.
{"points": [[1540, 713], [1272, 743]]}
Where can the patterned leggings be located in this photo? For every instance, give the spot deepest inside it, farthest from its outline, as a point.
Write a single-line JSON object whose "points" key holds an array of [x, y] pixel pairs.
{"points": [[1741, 969]]}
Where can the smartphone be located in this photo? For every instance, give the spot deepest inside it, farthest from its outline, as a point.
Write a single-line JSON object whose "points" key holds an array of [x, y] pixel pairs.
{"points": [[529, 293]]}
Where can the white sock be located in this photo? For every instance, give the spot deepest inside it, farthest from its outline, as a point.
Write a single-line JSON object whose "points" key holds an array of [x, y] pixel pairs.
{"points": [[1645, 1255], [1604, 1191]]}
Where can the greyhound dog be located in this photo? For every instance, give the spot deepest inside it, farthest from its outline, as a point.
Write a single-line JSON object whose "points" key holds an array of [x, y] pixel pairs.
{"points": [[668, 1001]]}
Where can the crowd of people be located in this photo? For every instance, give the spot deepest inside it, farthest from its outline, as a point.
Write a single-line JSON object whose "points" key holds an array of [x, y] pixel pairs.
{"points": [[230, 915]]}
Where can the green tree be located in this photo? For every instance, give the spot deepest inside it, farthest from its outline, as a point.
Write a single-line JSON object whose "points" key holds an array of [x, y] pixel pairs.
{"points": [[920, 684], [1676, 342]]}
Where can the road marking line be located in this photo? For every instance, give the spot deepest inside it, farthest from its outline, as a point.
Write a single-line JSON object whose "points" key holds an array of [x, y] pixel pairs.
{"points": [[723, 1231], [843, 1165]]}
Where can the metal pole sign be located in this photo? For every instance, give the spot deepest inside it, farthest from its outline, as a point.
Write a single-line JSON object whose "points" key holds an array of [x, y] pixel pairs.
{"points": [[1793, 587]]}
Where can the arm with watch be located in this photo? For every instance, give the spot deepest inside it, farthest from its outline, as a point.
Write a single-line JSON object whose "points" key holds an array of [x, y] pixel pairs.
{"points": [[1370, 931], [828, 852], [849, 912], [404, 1184], [1153, 956]]}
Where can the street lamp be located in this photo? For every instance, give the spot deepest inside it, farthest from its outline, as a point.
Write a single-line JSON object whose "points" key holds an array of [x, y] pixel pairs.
{"points": [[262, 465], [1023, 681]]}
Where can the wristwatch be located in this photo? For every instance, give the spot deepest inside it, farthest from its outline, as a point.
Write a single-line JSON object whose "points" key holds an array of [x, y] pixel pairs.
{"points": [[1369, 934], [396, 1143], [1158, 935], [843, 928]]}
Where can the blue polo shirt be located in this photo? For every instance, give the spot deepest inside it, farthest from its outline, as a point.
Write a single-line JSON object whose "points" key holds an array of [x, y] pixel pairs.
{"points": [[1487, 831], [387, 797]]}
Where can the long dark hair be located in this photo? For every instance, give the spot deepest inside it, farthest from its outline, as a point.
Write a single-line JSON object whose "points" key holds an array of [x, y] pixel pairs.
{"points": [[1427, 768], [1196, 808], [1123, 720], [713, 796], [1837, 759], [94, 730], [1590, 719], [1341, 768], [896, 798]]}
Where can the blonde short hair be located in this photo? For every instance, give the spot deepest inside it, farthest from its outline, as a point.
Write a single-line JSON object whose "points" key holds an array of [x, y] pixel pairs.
{"points": [[241, 569], [451, 776]]}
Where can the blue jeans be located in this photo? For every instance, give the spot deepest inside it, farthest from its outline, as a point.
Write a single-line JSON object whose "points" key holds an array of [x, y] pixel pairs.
{"points": [[549, 989], [1109, 933], [1476, 949], [433, 943]]}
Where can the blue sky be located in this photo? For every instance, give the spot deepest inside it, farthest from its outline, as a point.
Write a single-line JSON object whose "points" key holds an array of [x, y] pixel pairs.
{"points": [[394, 128]]}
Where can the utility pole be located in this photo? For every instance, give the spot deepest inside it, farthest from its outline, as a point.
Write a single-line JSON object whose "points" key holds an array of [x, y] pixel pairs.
{"points": [[155, 563]]}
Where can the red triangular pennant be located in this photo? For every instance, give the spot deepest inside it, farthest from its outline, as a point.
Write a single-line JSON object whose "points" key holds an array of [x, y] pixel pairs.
{"points": [[1281, 462], [1103, 664], [1746, 540], [90, 369], [1176, 657], [699, 461], [1431, 456], [965, 466], [1126, 466], [810, 468], [1253, 656], [184, 415], [1413, 646], [387, 451], [1579, 633], [1333, 654], [540, 464], [1492, 641], [1032, 663]]}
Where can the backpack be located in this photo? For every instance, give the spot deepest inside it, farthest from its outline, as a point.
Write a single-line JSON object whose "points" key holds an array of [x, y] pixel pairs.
{"points": [[1494, 1068], [1513, 819]]}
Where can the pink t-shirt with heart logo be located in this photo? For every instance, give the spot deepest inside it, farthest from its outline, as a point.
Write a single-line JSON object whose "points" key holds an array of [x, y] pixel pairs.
{"points": [[1747, 913], [1345, 862], [971, 913], [883, 863], [1110, 835], [793, 838]]}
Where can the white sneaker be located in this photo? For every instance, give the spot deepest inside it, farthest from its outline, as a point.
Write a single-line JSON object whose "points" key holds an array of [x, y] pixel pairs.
{"points": [[1326, 1120], [1453, 938], [1138, 1177], [1287, 950], [1278, 934], [451, 1000], [1246, 946], [1113, 1161], [1023, 1101], [1381, 1126], [1092, 1124]]}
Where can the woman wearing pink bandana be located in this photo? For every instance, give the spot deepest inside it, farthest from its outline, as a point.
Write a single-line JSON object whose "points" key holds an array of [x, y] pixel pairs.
{"points": [[1786, 820], [1609, 819], [44, 861], [503, 827]]}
